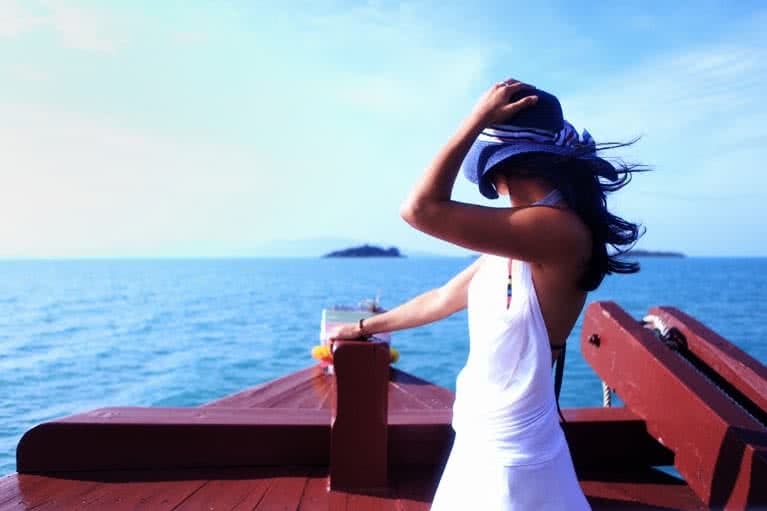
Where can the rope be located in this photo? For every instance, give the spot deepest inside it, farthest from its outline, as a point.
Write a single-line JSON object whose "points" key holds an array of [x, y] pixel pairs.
{"points": [[676, 341], [671, 336], [607, 395], [558, 376]]}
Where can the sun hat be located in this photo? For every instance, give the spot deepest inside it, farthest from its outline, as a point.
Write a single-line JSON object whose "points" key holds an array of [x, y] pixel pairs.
{"points": [[540, 128]]}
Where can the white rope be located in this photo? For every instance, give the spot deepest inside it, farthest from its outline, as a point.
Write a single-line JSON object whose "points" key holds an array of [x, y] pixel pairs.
{"points": [[657, 323], [607, 398]]}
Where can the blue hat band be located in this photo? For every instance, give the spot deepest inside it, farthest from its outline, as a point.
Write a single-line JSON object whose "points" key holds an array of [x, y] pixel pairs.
{"points": [[500, 142]]}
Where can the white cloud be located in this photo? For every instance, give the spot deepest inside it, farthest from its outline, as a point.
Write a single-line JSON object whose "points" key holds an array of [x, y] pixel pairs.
{"points": [[75, 27], [14, 19], [82, 29]]}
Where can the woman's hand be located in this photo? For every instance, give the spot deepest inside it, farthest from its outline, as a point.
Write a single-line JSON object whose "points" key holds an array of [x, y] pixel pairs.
{"points": [[494, 107], [346, 331]]}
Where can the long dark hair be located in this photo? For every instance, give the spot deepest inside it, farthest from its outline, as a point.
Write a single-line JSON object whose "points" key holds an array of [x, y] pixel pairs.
{"points": [[586, 194]]}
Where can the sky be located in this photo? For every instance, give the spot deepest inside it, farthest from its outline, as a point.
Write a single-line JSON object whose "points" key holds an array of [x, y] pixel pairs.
{"points": [[217, 128]]}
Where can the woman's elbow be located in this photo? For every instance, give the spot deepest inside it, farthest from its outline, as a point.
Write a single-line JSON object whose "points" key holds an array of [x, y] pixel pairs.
{"points": [[408, 212], [414, 213]]}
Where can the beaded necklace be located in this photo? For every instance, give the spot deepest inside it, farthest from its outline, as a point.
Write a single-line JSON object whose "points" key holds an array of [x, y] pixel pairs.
{"points": [[508, 289]]}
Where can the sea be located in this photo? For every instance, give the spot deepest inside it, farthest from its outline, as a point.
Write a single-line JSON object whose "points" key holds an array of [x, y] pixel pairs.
{"points": [[81, 334]]}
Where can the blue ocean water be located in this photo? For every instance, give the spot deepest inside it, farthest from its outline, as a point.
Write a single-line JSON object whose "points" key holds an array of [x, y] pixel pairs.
{"points": [[81, 334]]}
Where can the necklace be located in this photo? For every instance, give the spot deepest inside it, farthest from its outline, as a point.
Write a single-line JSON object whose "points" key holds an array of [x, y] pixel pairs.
{"points": [[508, 289]]}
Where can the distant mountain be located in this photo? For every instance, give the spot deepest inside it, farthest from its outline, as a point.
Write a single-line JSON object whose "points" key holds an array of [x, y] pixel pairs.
{"points": [[653, 253], [366, 251], [317, 247], [313, 247]]}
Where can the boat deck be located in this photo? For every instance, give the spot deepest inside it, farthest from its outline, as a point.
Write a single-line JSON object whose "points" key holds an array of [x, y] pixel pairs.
{"points": [[296, 489], [305, 487]]}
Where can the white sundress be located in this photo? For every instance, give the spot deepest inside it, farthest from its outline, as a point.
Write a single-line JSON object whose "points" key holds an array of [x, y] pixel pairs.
{"points": [[510, 453]]}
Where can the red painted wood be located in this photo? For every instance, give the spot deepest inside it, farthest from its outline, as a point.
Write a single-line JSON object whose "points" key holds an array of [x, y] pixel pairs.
{"points": [[612, 438], [643, 488], [283, 494], [358, 450], [359, 502], [338, 501], [312, 388], [329, 402], [279, 489], [256, 396], [317, 395], [132, 496], [400, 399], [709, 434], [425, 394], [156, 438], [224, 494], [303, 391], [182, 416], [315, 496], [740, 369], [37, 492]]}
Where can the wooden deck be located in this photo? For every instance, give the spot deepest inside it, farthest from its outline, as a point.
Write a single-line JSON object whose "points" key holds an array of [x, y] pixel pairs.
{"points": [[295, 489], [305, 488], [270, 447]]}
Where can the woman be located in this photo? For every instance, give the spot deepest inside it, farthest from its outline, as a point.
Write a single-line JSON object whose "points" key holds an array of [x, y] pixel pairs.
{"points": [[540, 258]]}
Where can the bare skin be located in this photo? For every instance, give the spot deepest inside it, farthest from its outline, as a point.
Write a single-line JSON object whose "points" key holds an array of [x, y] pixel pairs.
{"points": [[553, 239]]}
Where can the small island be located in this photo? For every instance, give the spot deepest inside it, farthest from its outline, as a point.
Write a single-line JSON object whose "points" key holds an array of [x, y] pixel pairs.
{"points": [[366, 251]]}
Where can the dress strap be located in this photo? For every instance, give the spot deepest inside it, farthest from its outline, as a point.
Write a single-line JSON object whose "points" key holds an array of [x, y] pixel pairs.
{"points": [[550, 199], [508, 288]]}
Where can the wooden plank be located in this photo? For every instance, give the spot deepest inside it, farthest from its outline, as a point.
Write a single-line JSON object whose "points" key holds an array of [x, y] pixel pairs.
{"points": [[719, 448], [181, 416], [315, 496], [360, 502], [130, 496], [284, 494], [253, 500], [226, 494], [612, 438], [735, 366], [254, 396], [309, 391], [315, 398], [358, 450], [644, 488], [329, 401], [155, 438], [38, 492], [337, 501], [425, 393], [400, 399], [9, 488], [419, 437]]}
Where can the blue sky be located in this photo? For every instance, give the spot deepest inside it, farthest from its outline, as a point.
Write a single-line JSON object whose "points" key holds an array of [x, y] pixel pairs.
{"points": [[211, 128]]}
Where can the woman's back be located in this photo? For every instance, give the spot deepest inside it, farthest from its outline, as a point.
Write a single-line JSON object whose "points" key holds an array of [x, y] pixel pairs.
{"points": [[505, 392]]}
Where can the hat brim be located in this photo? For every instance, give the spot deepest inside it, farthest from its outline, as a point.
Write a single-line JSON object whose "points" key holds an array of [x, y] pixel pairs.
{"points": [[483, 156]]}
